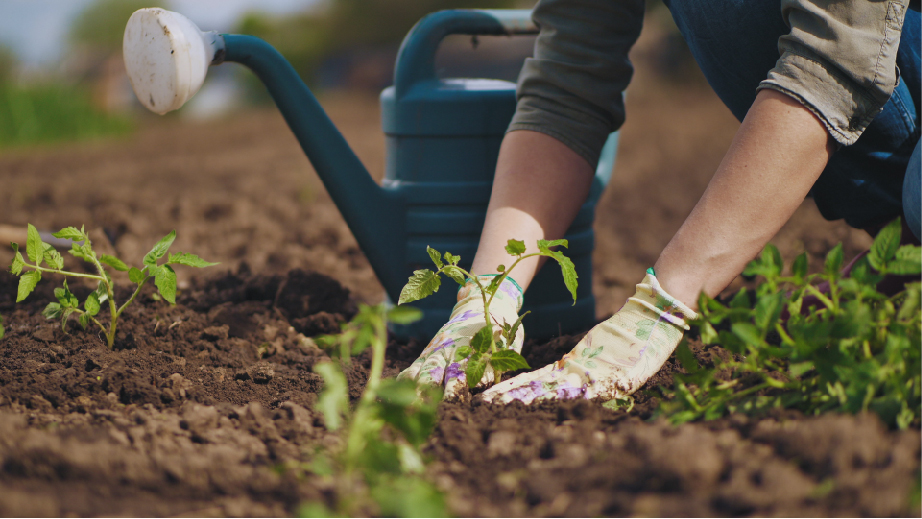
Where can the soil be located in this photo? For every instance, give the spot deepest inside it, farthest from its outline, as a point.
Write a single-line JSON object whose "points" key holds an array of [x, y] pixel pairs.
{"points": [[206, 408]]}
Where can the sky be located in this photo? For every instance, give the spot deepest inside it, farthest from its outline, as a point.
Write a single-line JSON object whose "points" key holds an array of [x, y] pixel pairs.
{"points": [[36, 30]]}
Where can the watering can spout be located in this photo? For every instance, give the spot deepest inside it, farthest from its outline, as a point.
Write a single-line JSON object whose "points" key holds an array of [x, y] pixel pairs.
{"points": [[374, 216]]}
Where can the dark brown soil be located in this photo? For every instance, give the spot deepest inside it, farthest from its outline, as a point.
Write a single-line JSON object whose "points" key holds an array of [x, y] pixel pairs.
{"points": [[206, 408]]}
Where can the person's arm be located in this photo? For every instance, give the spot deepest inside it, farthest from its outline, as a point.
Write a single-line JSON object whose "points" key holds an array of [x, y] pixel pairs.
{"points": [[776, 156]]}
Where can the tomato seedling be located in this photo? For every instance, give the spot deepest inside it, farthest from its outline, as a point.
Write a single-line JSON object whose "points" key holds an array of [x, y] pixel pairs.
{"points": [[383, 432], [486, 347], [857, 351], [30, 273]]}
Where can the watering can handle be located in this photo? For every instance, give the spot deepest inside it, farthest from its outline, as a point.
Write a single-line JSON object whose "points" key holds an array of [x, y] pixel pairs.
{"points": [[416, 59]]}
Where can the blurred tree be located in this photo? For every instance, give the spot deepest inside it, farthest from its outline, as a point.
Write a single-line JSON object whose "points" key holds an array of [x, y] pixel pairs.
{"points": [[7, 64], [99, 28]]}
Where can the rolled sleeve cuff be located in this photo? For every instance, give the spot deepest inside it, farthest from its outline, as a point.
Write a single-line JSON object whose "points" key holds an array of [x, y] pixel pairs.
{"points": [[838, 102], [582, 134]]}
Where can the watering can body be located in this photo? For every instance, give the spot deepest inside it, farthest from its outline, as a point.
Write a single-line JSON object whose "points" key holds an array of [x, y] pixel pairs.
{"points": [[443, 138]]}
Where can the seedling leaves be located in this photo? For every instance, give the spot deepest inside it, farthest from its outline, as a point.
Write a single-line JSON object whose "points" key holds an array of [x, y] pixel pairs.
{"points": [[452, 259], [908, 261], [70, 233], [566, 266], [53, 257], [18, 261], [189, 260], [515, 247], [834, 260], [160, 249], [166, 283], [799, 269], [52, 311], [404, 314], [135, 275], [114, 262], [480, 342], [436, 257], [92, 304], [885, 244], [421, 284], [334, 400], [463, 353], [455, 273], [34, 247], [27, 284], [508, 360], [475, 368]]}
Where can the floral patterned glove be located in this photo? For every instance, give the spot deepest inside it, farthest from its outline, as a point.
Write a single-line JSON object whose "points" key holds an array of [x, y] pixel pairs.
{"points": [[615, 358], [436, 365]]}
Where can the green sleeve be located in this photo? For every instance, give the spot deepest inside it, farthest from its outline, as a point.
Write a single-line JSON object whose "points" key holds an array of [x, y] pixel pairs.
{"points": [[572, 88]]}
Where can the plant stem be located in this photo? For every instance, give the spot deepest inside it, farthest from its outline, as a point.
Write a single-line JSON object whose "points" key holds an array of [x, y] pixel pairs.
{"points": [[64, 272]]}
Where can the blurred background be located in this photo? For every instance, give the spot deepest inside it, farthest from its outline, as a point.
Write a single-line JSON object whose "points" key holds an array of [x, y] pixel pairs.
{"points": [[62, 75]]}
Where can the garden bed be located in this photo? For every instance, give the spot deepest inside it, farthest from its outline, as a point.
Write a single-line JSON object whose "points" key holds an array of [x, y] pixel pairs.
{"points": [[207, 407]]}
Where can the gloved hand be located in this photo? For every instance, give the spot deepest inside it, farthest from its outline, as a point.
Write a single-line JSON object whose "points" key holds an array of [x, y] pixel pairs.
{"points": [[615, 358], [436, 365]]}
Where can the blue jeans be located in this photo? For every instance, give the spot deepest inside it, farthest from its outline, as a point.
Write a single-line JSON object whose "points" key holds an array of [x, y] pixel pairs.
{"points": [[735, 42]]}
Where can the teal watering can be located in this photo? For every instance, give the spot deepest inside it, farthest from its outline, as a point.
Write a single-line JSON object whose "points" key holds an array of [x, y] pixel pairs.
{"points": [[442, 136]]}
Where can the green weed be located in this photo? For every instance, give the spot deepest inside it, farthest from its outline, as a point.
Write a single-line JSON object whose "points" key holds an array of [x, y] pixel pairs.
{"points": [[67, 303], [858, 351], [379, 468], [486, 348]]}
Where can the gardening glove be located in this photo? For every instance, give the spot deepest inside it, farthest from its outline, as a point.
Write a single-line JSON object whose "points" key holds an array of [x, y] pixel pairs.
{"points": [[615, 358], [437, 365]]}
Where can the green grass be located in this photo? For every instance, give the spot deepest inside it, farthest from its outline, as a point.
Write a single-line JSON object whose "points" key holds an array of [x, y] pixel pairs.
{"points": [[50, 113]]}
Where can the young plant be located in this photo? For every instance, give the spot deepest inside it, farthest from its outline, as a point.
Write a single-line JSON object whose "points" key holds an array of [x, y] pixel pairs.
{"points": [[486, 347], [378, 470], [857, 351], [30, 273]]}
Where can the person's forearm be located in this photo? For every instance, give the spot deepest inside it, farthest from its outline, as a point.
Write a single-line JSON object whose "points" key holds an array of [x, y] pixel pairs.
{"points": [[539, 187], [776, 156]]}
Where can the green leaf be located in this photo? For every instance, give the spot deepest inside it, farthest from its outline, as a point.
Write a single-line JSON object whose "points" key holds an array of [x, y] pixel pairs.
{"points": [[52, 311], [166, 283], [569, 272], [686, 358], [476, 366], [510, 331], [18, 261], [907, 262], [799, 269], [135, 275], [404, 314], [481, 340], [545, 245], [834, 260], [463, 353], [27, 284], [334, 399], [501, 268], [70, 233], [436, 257], [35, 249], [515, 247], [53, 257], [455, 273], [91, 305], [189, 260], [451, 259], [79, 252], [749, 333], [421, 284], [885, 245], [508, 360], [113, 262], [102, 293], [66, 315], [65, 297], [84, 320], [160, 249]]}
